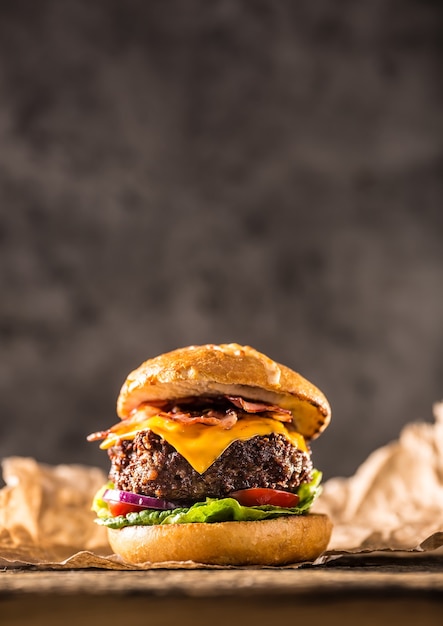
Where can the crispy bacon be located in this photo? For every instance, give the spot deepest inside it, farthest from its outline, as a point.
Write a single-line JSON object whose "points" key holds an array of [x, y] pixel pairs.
{"points": [[101, 434], [277, 412], [210, 411], [210, 418]]}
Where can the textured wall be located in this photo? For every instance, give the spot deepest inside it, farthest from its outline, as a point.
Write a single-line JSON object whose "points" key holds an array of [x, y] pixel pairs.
{"points": [[183, 172]]}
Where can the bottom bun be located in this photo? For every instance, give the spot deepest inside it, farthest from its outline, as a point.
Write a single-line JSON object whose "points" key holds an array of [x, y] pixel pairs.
{"points": [[279, 541]]}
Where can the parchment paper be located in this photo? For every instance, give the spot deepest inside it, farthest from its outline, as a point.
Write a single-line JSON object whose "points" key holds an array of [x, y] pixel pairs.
{"points": [[395, 499], [393, 504]]}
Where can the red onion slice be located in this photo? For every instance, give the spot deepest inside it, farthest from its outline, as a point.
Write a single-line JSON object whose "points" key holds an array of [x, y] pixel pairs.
{"points": [[146, 502]]}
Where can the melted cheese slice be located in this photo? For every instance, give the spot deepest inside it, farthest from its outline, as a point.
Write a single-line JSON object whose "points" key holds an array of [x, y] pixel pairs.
{"points": [[200, 444]]}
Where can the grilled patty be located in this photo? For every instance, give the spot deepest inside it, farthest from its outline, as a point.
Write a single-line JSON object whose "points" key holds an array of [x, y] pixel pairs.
{"points": [[149, 465]]}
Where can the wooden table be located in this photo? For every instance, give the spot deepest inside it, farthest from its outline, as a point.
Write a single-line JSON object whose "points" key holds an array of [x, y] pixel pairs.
{"points": [[356, 592]]}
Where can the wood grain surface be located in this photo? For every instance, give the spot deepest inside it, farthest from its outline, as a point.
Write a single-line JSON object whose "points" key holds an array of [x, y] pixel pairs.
{"points": [[345, 594]]}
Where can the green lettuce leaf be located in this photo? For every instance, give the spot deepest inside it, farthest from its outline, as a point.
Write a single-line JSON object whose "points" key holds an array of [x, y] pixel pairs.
{"points": [[209, 511]]}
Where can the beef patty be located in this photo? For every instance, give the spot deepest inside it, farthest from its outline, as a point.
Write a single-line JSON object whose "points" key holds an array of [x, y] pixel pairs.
{"points": [[149, 465]]}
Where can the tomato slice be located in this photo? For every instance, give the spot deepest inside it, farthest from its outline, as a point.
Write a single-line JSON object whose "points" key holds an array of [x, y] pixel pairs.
{"points": [[122, 508], [257, 496]]}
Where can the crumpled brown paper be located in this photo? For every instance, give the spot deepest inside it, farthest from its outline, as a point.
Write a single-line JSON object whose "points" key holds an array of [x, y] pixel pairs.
{"points": [[394, 502], [45, 514], [395, 499]]}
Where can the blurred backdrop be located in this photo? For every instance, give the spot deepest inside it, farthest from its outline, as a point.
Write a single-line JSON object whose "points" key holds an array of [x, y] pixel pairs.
{"points": [[174, 173]]}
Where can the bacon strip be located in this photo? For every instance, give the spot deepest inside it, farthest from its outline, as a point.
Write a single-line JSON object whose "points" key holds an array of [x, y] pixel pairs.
{"points": [[212, 416], [101, 434], [278, 413]]}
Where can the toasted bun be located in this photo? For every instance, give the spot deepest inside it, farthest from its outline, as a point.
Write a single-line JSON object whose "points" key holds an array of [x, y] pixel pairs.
{"points": [[292, 539], [227, 369]]}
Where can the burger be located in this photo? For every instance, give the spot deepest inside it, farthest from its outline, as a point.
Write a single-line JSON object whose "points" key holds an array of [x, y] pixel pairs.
{"points": [[211, 461]]}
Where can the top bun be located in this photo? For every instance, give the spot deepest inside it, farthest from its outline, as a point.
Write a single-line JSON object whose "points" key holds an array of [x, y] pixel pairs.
{"points": [[227, 369]]}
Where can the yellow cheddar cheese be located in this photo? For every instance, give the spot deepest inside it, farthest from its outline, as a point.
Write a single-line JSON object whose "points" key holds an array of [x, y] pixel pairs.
{"points": [[201, 444]]}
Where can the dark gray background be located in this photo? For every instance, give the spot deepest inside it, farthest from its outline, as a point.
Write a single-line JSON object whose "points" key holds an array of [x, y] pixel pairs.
{"points": [[266, 172]]}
